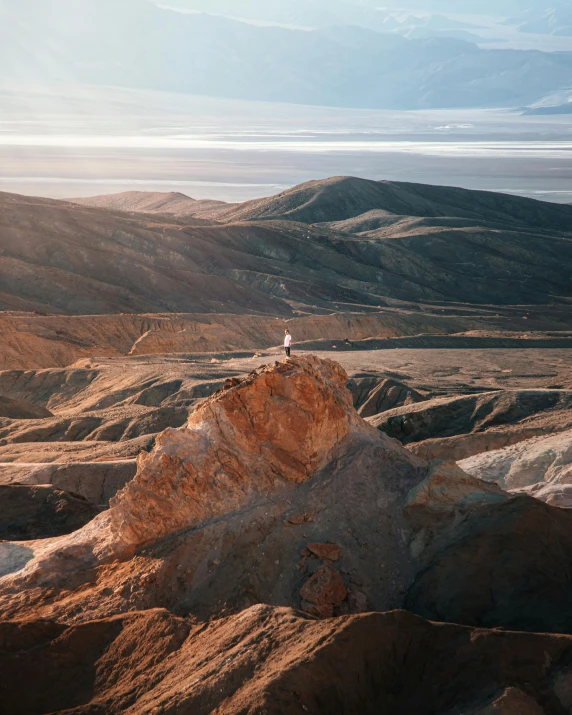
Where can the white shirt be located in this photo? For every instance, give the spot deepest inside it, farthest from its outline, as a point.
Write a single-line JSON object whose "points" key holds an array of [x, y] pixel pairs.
{"points": [[288, 341]]}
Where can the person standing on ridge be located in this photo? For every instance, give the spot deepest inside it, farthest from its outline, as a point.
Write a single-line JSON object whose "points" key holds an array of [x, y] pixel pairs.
{"points": [[287, 342]]}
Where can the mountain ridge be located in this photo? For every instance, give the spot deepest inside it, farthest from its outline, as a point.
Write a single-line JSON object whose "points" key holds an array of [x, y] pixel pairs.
{"points": [[153, 202], [261, 258], [346, 197], [147, 47]]}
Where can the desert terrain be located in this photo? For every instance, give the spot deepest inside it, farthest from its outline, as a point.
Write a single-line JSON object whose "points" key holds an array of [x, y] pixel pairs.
{"points": [[193, 523]]}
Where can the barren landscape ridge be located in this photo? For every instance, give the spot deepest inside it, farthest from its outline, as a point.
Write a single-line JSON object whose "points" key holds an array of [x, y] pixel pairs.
{"points": [[415, 453]]}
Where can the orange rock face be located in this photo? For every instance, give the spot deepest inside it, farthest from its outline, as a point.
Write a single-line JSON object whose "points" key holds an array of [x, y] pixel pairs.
{"points": [[202, 524], [330, 552], [277, 427], [325, 588]]}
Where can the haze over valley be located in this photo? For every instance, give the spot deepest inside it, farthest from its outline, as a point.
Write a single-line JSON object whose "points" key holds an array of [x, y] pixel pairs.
{"points": [[209, 99]]}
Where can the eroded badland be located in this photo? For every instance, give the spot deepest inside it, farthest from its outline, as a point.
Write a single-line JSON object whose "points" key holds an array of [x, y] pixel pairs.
{"points": [[192, 523]]}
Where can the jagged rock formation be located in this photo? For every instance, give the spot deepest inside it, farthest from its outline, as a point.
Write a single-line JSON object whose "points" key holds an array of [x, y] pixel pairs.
{"points": [[279, 425], [373, 396], [240, 505], [541, 466], [277, 492], [482, 553], [265, 484], [464, 425], [447, 493], [283, 445]]}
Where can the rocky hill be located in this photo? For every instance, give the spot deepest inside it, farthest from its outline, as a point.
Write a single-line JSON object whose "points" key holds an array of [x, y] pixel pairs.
{"points": [[148, 202], [244, 505], [188, 523], [241, 567], [344, 197]]}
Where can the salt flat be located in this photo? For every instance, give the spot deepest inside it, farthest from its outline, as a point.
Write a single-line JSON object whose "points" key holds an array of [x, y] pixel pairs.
{"points": [[69, 141]]}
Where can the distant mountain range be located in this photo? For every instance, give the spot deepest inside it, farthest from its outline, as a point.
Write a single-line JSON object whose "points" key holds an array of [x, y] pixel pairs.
{"points": [[551, 21], [322, 13], [138, 44], [288, 10]]}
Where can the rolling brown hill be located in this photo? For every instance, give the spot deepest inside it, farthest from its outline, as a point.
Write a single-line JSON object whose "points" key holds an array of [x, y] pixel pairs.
{"points": [[60, 257], [343, 197], [157, 202]]}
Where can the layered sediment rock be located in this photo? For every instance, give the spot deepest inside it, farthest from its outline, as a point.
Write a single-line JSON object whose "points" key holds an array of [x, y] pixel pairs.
{"points": [[282, 446], [535, 411], [277, 426], [373, 395], [19, 410], [541, 466], [276, 491]]}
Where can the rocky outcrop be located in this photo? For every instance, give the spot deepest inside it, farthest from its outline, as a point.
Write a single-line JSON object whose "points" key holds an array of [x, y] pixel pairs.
{"points": [[449, 490], [452, 416], [543, 466], [323, 592], [481, 552], [276, 491], [269, 661], [505, 561], [275, 427], [220, 509], [447, 497], [328, 552]]}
